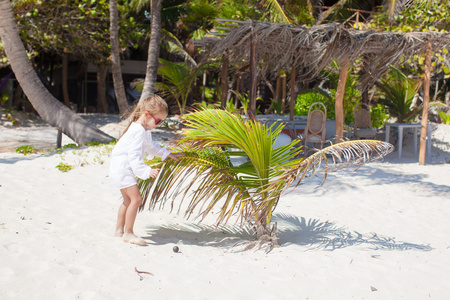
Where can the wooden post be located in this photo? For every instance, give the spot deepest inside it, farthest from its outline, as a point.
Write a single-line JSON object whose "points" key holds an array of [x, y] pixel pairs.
{"points": [[224, 81], [293, 95], [277, 88], [253, 76], [283, 93], [59, 138], [339, 101], [238, 90], [365, 96], [204, 85], [426, 100], [65, 88]]}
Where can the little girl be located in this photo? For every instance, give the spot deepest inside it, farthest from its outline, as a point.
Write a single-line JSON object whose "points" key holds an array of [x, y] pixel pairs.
{"points": [[127, 162]]}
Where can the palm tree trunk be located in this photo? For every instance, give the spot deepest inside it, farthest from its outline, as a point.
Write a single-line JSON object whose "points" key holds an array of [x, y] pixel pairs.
{"points": [[153, 51], [293, 95], [102, 71], [65, 66], [49, 108], [426, 100], [224, 81], [253, 76], [339, 101], [283, 93], [119, 89], [203, 85]]}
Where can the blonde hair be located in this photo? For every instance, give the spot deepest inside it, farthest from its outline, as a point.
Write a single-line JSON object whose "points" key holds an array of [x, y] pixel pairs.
{"points": [[154, 104]]}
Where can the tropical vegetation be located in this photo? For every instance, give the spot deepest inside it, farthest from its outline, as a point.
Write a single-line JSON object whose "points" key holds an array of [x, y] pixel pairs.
{"points": [[398, 93], [46, 36], [79, 22], [248, 191]]}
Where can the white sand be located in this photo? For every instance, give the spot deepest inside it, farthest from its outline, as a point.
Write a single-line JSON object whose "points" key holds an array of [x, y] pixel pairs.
{"points": [[380, 232]]}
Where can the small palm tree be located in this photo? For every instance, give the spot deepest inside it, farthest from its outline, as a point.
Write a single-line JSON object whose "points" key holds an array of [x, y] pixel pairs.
{"points": [[398, 93], [250, 191], [178, 81]]}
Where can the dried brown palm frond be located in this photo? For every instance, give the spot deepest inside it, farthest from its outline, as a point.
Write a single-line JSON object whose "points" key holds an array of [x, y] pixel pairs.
{"points": [[282, 46]]}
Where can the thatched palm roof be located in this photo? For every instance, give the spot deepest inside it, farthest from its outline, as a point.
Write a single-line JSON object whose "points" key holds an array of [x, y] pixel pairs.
{"points": [[311, 49]]}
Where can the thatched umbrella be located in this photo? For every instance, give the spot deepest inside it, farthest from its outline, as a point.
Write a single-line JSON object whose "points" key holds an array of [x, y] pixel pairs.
{"points": [[308, 50]]}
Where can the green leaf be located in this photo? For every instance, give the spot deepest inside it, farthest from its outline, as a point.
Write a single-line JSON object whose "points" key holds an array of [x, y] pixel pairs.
{"points": [[207, 179]]}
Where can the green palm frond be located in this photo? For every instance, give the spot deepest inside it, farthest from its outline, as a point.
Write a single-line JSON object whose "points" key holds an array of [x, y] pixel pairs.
{"points": [[178, 80], [207, 178], [176, 47], [399, 92], [335, 157], [278, 11]]}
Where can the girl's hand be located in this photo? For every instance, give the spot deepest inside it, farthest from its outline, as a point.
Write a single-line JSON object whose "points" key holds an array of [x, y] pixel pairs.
{"points": [[154, 173], [175, 155]]}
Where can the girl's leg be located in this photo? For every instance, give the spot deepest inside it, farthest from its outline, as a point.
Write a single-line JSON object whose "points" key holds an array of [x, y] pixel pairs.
{"points": [[121, 215], [135, 200]]}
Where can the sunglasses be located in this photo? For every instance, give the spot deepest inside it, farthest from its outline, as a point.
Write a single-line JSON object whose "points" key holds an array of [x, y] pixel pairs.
{"points": [[157, 122]]}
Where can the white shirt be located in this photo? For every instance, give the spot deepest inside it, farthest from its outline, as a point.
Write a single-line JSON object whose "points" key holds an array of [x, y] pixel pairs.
{"points": [[128, 154]]}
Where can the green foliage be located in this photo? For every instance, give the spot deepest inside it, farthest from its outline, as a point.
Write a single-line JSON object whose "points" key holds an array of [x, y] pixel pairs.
{"points": [[68, 146], [25, 150], [209, 92], [74, 146], [398, 92], [96, 143], [291, 12], [229, 106], [434, 16], [80, 28], [352, 94], [9, 114], [245, 101], [423, 16], [378, 116], [239, 10], [250, 190], [199, 17], [178, 80], [206, 105], [305, 99], [3, 98], [64, 167], [277, 106], [445, 118], [218, 128]]}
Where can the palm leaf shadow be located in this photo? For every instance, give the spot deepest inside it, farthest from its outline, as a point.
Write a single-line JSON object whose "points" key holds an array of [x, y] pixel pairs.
{"points": [[326, 236], [224, 235]]}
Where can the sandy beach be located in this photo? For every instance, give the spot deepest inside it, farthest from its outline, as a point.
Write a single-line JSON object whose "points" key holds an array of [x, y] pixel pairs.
{"points": [[379, 232]]}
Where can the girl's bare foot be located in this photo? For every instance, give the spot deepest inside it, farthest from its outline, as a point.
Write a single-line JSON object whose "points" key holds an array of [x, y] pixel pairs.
{"points": [[133, 239], [118, 233]]}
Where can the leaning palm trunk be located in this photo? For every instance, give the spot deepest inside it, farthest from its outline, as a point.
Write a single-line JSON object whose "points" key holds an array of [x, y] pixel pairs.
{"points": [[49, 108], [153, 50], [119, 89], [249, 191]]}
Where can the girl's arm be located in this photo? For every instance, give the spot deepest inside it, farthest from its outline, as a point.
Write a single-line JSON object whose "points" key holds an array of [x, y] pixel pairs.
{"points": [[153, 148], [135, 156]]}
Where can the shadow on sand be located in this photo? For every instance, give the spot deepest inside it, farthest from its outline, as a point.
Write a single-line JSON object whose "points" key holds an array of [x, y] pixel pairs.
{"points": [[312, 234], [351, 179], [327, 236]]}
